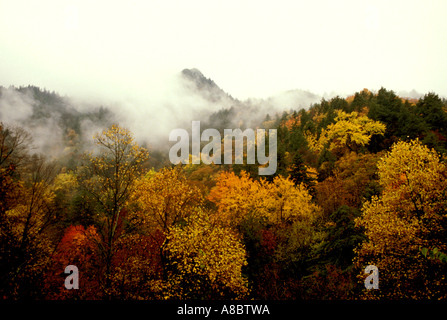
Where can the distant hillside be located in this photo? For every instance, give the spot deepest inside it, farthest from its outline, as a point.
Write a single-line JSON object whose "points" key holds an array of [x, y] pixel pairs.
{"points": [[57, 126], [228, 112]]}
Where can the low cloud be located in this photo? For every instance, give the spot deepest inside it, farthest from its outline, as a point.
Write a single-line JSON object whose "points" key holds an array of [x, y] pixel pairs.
{"points": [[150, 115]]}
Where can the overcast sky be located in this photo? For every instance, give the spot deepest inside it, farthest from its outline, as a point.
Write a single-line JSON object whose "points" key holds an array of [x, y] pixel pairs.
{"points": [[120, 49]]}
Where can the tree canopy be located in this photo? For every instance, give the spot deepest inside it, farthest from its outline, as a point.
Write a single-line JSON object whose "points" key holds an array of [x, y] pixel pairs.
{"points": [[360, 180]]}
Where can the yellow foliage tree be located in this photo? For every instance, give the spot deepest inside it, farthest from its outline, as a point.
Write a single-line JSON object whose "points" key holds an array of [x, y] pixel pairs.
{"points": [[237, 197], [287, 202], [409, 215], [314, 144], [278, 201], [26, 226], [109, 177], [205, 261], [163, 199], [350, 130]]}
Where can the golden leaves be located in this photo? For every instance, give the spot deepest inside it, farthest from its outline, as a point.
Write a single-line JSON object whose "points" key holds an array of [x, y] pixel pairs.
{"points": [[351, 130], [407, 216], [110, 175], [207, 260], [277, 201], [164, 198]]}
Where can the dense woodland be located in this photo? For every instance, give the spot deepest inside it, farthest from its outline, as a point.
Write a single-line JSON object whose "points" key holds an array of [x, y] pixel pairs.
{"points": [[360, 181]]}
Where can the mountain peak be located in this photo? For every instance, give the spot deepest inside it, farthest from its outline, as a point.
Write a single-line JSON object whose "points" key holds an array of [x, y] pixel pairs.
{"points": [[205, 86], [194, 75]]}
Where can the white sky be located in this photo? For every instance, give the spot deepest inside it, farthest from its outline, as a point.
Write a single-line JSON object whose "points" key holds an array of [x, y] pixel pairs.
{"points": [[249, 48]]}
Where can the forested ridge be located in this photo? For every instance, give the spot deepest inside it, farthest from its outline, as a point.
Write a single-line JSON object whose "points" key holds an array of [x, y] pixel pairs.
{"points": [[360, 181]]}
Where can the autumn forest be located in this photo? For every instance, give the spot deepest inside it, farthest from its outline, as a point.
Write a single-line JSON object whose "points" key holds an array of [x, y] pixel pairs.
{"points": [[360, 181]]}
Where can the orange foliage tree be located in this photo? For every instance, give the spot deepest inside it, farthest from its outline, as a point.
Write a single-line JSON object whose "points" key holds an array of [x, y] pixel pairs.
{"points": [[278, 218]]}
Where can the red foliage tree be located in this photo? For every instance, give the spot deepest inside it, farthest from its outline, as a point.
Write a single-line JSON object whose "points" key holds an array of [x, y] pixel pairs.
{"points": [[77, 247]]}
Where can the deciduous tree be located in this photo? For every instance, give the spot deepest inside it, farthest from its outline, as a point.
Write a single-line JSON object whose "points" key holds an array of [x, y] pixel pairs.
{"points": [[351, 131], [27, 239], [205, 261], [163, 199], [278, 201], [409, 214], [109, 178]]}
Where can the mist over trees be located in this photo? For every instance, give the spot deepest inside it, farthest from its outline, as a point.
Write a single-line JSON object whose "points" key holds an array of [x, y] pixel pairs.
{"points": [[360, 180]]}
